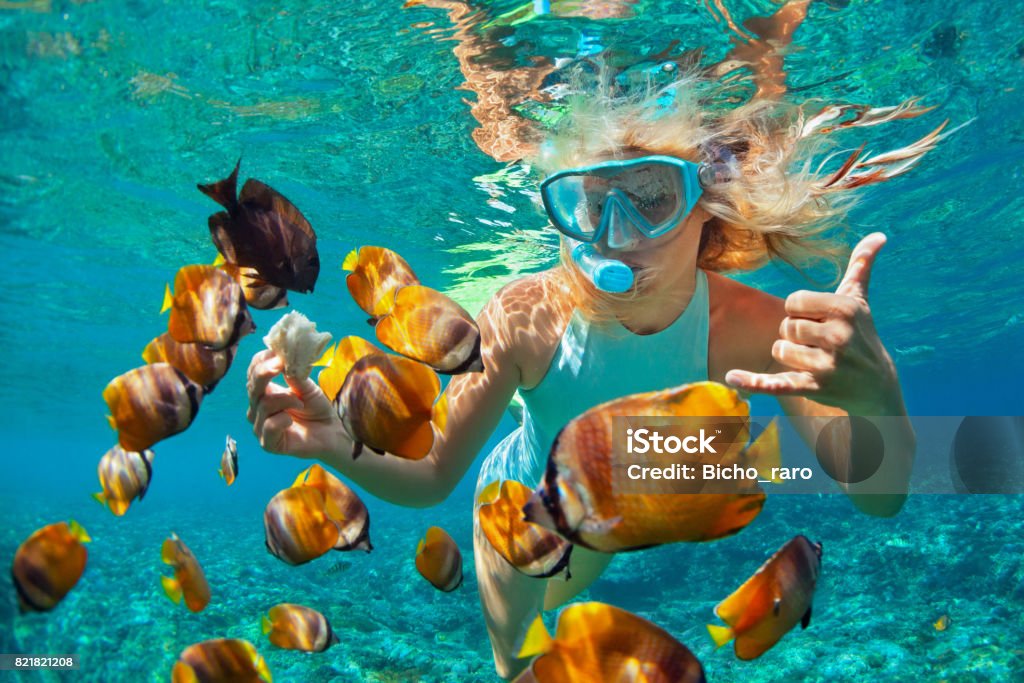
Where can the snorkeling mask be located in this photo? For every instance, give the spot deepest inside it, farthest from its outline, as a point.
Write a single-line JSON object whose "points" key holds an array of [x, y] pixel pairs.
{"points": [[649, 195]]}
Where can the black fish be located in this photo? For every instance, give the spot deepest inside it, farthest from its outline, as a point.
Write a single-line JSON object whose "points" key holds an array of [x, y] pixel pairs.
{"points": [[262, 230]]}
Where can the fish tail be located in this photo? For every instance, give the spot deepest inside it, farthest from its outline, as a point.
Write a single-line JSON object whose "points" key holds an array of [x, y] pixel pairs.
{"points": [[325, 359], [267, 625], [172, 589], [351, 260], [100, 498], [720, 634], [224, 192], [168, 300], [490, 492], [79, 532], [537, 641]]}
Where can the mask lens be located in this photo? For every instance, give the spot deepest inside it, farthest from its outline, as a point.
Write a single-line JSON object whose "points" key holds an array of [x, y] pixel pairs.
{"points": [[654, 190]]}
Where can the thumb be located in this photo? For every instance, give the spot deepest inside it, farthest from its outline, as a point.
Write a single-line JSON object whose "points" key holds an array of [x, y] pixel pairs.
{"points": [[858, 272], [303, 388]]}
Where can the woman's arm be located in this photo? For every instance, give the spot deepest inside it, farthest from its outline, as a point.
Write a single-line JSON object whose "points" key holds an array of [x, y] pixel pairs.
{"points": [[299, 420], [829, 362]]}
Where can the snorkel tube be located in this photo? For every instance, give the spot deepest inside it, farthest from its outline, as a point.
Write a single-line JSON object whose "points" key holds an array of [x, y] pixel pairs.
{"points": [[608, 274]]}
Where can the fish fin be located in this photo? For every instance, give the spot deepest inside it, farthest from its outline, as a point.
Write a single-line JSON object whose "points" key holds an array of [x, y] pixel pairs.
{"points": [[776, 606], [168, 299], [351, 260], [334, 513], [419, 546], [378, 451], [267, 625], [168, 551], [806, 620], [112, 422], [764, 452], [172, 589], [490, 492], [100, 498], [301, 479], [720, 634], [357, 449], [537, 641], [219, 261], [592, 527], [363, 544], [326, 358], [78, 531], [224, 192], [220, 471], [118, 507], [372, 322], [439, 413], [184, 673], [261, 668]]}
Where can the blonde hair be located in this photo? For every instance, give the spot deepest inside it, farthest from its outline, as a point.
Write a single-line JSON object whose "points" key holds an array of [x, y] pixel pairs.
{"points": [[779, 203]]}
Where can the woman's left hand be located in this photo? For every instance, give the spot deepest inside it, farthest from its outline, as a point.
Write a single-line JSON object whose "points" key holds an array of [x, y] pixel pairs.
{"points": [[829, 349]]}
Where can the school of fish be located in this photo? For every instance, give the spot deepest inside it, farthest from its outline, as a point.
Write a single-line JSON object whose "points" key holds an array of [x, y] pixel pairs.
{"points": [[390, 402]]}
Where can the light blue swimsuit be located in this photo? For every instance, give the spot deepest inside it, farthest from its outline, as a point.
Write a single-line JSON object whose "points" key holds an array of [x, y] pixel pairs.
{"points": [[594, 364]]}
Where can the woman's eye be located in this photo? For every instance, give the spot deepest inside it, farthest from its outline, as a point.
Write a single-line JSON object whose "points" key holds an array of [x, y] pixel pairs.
{"points": [[648, 201]]}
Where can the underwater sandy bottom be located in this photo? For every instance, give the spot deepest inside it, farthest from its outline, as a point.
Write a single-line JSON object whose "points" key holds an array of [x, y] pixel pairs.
{"points": [[883, 584]]}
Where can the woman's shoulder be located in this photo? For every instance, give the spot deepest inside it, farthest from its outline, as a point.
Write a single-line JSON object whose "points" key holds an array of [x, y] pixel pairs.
{"points": [[744, 322], [527, 318]]}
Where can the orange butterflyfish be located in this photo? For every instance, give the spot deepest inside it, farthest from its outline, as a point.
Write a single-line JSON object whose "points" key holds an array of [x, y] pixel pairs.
{"points": [[258, 294], [597, 642], [386, 404], [338, 360], [150, 403], [189, 581], [586, 498], [439, 561], [201, 364], [430, 327], [375, 274], [124, 476], [264, 231], [294, 627], [530, 548], [342, 505], [772, 601], [229, 461], [207, 307], [297, 527], [224, 660], [48, 564]]}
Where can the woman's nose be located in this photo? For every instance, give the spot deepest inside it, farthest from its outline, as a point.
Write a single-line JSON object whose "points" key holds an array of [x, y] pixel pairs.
{"points": [[620, 233]]}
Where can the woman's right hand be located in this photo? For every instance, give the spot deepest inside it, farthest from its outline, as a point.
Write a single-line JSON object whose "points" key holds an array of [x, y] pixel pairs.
{"points": [[294, 420]]}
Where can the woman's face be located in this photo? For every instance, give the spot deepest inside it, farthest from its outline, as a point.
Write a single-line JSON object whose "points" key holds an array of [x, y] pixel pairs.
{"points": [[623, 242]]}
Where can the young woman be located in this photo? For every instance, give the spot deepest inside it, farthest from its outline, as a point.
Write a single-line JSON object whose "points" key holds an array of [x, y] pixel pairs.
{"points": [[676, 192]]}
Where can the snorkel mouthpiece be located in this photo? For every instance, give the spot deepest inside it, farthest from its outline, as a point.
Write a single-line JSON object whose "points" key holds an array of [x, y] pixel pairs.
{"points": [[607, 274]]}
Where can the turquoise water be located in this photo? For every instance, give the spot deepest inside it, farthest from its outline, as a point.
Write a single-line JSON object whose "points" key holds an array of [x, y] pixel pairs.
{"points": [[111, 112]]}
